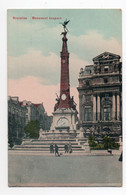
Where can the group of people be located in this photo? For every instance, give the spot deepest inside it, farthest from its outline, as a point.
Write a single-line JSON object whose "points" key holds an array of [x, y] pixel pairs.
{"points": [[55, 148], [68, 148]]}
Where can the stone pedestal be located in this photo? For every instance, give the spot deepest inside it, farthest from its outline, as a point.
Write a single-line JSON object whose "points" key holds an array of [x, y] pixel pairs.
{"points": [[64, 119]]}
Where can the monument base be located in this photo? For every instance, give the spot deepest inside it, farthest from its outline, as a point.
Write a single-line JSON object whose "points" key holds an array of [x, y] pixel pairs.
{"points": [[58, 134], [64, 120]]}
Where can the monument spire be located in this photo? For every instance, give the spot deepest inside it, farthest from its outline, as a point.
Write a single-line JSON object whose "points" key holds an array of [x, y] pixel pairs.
{"points": [[64, 82], [65, 113], [64, 100]]}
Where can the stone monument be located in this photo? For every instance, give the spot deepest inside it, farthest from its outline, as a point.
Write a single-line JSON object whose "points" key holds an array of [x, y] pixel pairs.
{"points": [[65, 113]]}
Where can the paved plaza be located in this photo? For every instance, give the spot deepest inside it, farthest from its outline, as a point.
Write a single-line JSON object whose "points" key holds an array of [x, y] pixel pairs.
{"points": [[39, 170]]}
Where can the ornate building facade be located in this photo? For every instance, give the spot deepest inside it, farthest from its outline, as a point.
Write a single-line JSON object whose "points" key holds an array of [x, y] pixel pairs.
{"points": [[100, 96], [17, 117]]}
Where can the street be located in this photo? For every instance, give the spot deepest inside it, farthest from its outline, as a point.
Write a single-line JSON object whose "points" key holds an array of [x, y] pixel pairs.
{"points": [[32, 170]]}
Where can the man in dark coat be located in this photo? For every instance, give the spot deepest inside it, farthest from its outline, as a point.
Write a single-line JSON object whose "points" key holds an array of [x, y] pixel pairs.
{"points": [[120, 158], [66, 148], [70, 148], [51, 148], [56, 150]]}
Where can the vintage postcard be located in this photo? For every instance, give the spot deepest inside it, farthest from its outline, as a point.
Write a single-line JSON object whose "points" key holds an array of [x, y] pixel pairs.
{"points": [[64, 97]]}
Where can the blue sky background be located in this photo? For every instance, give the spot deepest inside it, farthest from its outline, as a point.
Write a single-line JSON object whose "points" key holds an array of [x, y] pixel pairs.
{"points": [[86, 29], [34, 46], [106, 22]]}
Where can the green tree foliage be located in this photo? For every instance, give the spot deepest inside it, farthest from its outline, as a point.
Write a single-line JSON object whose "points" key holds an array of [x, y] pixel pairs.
{"points": [[32, 129], [14, 140], [109, 142], [11, 142], [91, 140], [106, 143]]}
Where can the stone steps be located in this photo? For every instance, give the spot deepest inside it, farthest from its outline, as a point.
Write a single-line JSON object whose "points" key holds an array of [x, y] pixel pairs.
{"points": [[52, 139], [47, 149], [43, 145]]}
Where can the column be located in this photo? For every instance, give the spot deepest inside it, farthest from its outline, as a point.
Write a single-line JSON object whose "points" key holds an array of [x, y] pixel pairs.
{"points": [[80, 107], [94, 108], [113, 106], [118, 107], [98, 107]]}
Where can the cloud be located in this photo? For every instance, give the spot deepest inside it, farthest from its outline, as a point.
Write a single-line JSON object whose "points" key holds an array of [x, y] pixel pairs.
{"points": [[35, 76], [82, 49], [33, 34], [92, 44], [29, 88], [47, 68], [75, 64], [34, 63], [45, 37]]}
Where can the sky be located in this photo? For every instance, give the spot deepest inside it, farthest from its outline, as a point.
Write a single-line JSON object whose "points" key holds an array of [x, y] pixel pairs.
{"points": [[34, 47]]}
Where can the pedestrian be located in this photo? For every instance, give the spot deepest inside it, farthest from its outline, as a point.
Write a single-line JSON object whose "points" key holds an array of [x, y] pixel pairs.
{"points": [[66, 148], [56, 150], [110, 151], [51, 148], [70, 148], [120, 158]]}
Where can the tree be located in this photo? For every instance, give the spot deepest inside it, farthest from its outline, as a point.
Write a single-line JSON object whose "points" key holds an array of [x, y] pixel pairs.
{"points": [[91, 140], [32, 129], [109, 142], [11, 142]]}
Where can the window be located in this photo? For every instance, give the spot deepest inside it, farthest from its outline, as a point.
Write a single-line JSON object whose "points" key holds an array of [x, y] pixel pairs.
{"points": [[105, 80], [87, 114], [106, 68], [87, 83], [106, 94], [107, 113], [87, 98]]}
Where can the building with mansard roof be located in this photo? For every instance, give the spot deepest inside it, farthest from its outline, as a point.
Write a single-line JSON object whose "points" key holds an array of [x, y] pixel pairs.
{"points": [[100, 96]]}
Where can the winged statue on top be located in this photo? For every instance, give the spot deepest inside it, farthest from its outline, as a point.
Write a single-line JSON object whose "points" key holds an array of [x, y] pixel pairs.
{"points": [[64, 25]]}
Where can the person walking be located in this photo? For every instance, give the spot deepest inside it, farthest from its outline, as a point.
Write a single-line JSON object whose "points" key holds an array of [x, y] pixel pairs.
{"points": [[51, 148], [66, 148], [120, 158], [70, 148], [56, 150]]}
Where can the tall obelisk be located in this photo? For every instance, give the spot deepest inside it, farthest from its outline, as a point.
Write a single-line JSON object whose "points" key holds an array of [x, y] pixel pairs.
{"points": [[65, 113], [64, 83]]}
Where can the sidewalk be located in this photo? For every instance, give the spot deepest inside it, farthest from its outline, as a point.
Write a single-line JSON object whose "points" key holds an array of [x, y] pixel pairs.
{"points": [[40, 153]]}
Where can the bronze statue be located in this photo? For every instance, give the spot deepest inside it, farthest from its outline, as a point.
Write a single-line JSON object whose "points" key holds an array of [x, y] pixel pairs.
{"points": [[64, 25]]}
